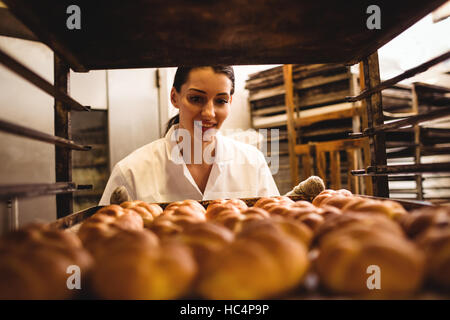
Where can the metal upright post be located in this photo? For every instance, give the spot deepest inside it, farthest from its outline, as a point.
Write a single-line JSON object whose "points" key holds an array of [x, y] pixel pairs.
{"points": [[63, 156]]}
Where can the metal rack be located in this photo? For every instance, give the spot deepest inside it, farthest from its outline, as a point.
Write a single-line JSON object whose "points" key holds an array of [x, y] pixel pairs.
{"points": [[155, 34], [63, 187], [376, 131]]}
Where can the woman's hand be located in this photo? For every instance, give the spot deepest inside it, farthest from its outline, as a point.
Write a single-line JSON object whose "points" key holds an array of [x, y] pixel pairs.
{"points": [[308, 188], [119, 195]]}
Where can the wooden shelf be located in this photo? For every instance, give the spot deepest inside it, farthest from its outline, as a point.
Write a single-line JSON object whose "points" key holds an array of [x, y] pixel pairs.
{"points": [[143, 33]]}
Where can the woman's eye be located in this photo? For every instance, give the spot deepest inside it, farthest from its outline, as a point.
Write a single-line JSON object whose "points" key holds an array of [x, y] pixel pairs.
{"points": [[222, 101], [195, 99]]}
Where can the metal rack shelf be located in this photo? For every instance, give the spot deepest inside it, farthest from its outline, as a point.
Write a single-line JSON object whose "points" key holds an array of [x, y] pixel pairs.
{"points": [[38, 189], [22, 131], [40, 82], [403, 169]]}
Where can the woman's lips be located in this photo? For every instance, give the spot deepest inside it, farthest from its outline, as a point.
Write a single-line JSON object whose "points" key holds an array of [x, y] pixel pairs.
{"points": [[206, 128]]}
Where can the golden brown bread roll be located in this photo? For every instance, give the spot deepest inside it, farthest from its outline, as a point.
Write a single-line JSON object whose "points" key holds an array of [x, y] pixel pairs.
{"points": [[144, 271], [263, 262], [205, 239], [435, 242], [229, 218], [391, 209], [186, 208], [164, 227], [338, 201], [348, 252], [265, 203], [419, 221], [255, 213], [34, 262], [312, 220], [328, 193], [328, 212], [226, 203], [148, 211], [376, 222], [107, 222], [214, 209]]}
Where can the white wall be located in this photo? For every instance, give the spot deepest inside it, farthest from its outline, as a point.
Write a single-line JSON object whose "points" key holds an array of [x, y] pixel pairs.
{"points": [[24, 160], [131, 96], [133, 111]]}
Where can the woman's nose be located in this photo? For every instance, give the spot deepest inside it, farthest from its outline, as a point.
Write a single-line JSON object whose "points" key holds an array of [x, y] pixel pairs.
{"points": [[208, 110]]}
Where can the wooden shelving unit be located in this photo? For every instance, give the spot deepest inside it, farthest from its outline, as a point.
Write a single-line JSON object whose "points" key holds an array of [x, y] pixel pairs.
{"points": [[142, 33]]}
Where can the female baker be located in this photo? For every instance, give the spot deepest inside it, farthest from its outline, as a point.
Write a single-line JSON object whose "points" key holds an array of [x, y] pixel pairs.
{"points": [[193, 160]]}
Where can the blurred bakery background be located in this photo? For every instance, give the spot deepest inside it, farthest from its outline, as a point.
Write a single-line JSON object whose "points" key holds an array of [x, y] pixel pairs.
{"points": [[130, 108]]}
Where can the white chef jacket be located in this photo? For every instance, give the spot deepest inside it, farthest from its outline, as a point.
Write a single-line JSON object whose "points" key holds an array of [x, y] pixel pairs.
{"points": [[152, 174]]}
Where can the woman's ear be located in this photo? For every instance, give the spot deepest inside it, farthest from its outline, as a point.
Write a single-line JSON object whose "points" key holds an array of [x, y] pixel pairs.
{"points": [[231, 99], [174, 97]]}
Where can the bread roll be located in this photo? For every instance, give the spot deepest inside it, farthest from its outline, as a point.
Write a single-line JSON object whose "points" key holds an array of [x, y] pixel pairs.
{"points": [[326, 194], [263, 262], [147, 211], [419, 221], [230, 219], [214, 209], [435, 242], [266, 203], [34, 262], [144, 272], [107, 222], [347, 253], [186, 208], [376, 222], [205, 239], [312, 220], [391, 209]]}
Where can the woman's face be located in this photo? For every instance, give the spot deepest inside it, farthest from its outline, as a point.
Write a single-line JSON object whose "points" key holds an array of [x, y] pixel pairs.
{"points": [[205, 99]]}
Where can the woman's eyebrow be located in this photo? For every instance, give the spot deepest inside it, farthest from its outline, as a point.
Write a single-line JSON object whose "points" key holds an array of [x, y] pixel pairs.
{"points": [[222, 93], [198, 90]]}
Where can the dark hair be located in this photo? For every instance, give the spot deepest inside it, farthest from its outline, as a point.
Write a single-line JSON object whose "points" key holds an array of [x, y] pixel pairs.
{"points": [[182, 75]]}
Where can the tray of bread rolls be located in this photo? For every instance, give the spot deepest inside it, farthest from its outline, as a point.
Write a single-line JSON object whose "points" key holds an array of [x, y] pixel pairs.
{"points": [[335, 246]]}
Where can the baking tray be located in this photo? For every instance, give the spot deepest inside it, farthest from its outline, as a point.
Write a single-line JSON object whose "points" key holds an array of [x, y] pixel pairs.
{"points": [[76, 218]]}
